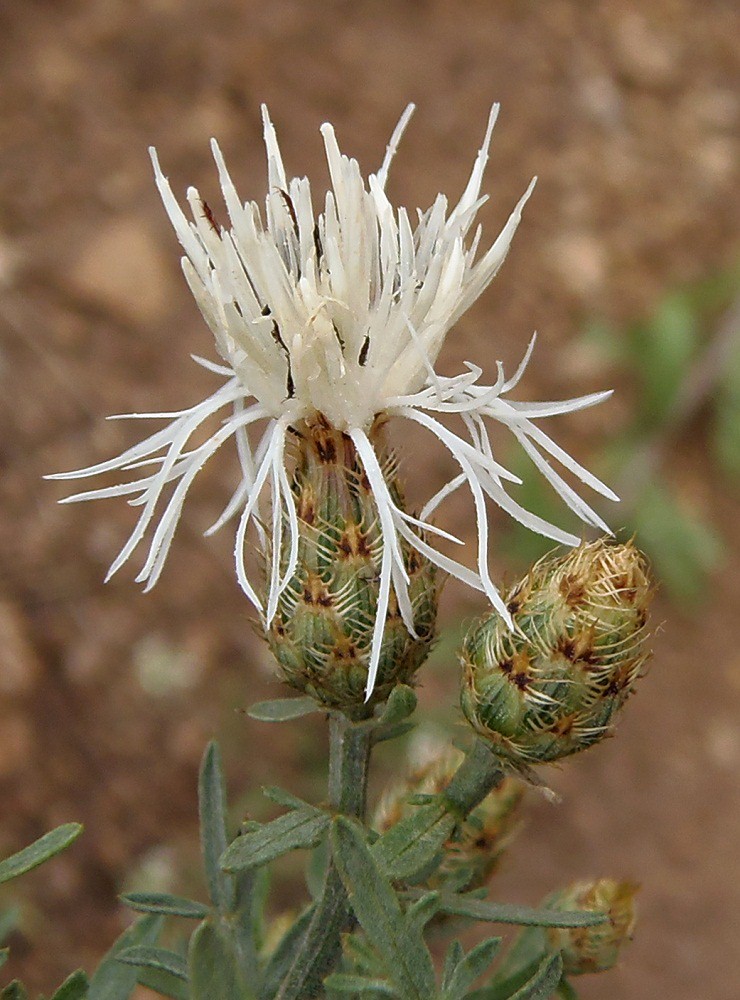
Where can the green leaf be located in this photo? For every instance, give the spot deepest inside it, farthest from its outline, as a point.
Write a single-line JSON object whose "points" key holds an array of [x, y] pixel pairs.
{"points": [[472, 966], [40, 851], [283, 709], [75, 987], [163, 902], [544, 982], [213, 966], [343, 982], [566, 991], [284, 798], [213, 835], [407, 959], [421, 911], [509, 913], [413, 845], [726, 437], [4, 955], [455, 955], [164, 983], [247, 922], [298, 829], [400, 705], [283, 955], [146, 957], [384, 733], [14, 991], [113, 980]]}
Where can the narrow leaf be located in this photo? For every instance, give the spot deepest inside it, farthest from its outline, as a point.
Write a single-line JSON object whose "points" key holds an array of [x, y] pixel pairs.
{"points": [[14, 991], [544, 982], [286, 950], [146, 957], [41, 850], [400, 705], [342, 982], [566, 991], [455, 955], [163, 902], [75, 987], [408, 962], [213, 836], [509, 913], [164, 983], [412, 845], [283, 798], [283, 709], [421, 911], [4, 955], [213, 966], [298, 829], [472, 966], [113, 980]]}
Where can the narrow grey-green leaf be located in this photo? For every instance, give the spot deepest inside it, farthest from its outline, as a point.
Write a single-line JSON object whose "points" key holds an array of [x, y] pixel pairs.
{"points": [[544, 982], [455, 954], [408, 962], [41, 850], [283, 709], [298, 829], [283, 955], [214, 967], [566, 991], [9, 921], [283, 798], [342, 982], [164, 983], [147, 957], [113, 980], [4, 955], [14, 991], [400, 705], [470, 968], [509, 913], [74, 987], [412, 845], [213, 835], [421, 911], [384, 733], [163, 902]]}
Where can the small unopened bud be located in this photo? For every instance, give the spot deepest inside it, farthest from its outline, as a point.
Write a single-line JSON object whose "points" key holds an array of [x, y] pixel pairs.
{"points": [[554, 685], [594, 949], [322, 632], [471, 855]]}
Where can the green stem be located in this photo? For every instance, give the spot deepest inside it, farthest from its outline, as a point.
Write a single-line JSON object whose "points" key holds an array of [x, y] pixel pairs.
{"points": [[478, 775], [349, 756]]}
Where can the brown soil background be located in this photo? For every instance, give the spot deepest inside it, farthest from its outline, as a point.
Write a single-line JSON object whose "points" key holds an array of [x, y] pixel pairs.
{"points": [[629, 114]]}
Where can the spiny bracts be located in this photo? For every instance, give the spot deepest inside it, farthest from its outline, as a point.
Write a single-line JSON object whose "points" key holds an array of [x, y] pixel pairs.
{"points": [[322, 630], [553, 685]]}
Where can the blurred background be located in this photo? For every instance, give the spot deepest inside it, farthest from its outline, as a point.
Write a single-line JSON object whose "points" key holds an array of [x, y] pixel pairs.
{"points": [[627, 265]]}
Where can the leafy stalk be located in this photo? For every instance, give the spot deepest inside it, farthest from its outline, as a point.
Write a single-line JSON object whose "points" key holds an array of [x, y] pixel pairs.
{"points": [[349, 755]]}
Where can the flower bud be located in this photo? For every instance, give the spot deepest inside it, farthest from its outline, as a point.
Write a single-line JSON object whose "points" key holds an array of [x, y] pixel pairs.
{"points": [[322, 631], [594, 949], [554, 685], [471, 855]]}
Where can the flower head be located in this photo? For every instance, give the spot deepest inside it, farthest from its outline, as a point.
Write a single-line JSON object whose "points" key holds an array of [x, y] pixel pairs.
{"points": [[340, 315]]}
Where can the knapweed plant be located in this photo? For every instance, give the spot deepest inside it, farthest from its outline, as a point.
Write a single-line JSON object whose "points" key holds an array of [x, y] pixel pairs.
{"points": [[329, 326]]}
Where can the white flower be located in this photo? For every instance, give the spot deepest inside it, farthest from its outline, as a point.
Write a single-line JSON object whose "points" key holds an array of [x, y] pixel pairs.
{"points": [[342, 313]]}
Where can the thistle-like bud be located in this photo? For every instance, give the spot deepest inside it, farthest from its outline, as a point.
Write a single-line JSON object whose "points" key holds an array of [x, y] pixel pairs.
{"points": [[554, 685], [594, 949], [471, 855], [322, 632]]}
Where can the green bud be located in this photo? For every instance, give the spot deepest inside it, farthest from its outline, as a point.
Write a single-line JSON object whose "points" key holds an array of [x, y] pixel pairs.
{"points": [[594, 949], [554, 685], [472, 854], [322, 632]]}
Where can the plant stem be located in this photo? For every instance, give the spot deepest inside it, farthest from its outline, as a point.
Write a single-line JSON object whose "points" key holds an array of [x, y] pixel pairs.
{"points": [[349, 756], [478, 775]]}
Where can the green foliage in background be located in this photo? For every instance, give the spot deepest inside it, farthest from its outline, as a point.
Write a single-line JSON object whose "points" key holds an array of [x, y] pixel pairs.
{"points": [[683, 362]]}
